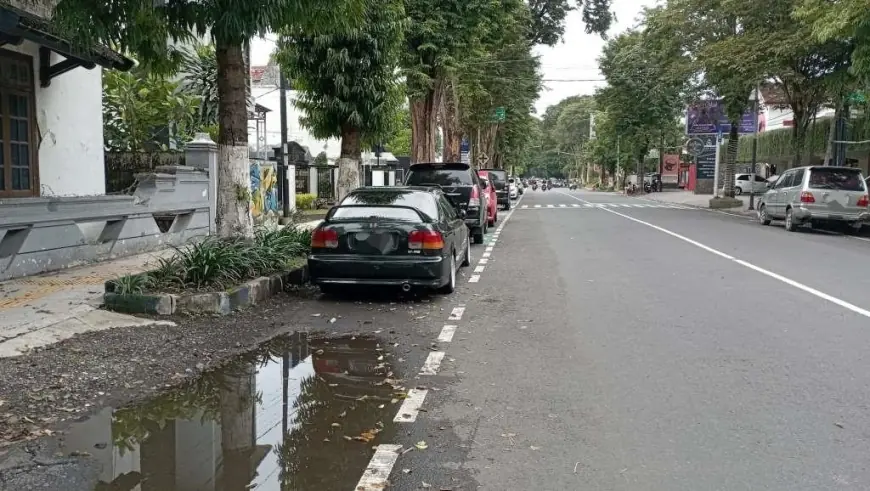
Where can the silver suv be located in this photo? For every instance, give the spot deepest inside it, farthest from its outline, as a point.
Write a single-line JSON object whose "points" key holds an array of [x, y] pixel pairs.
{"points": [[817, 196]]}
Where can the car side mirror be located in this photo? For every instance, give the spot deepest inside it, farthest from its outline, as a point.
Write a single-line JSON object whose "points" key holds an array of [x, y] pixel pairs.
{"points": [[462, 214]]}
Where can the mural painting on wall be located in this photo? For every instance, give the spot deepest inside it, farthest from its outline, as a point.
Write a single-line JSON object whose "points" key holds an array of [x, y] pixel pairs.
{"points": [[264, 189]]}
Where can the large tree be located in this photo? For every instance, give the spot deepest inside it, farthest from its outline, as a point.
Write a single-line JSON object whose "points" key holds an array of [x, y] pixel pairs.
{"points": [[347, 82], [146, 28], [642, 96]]}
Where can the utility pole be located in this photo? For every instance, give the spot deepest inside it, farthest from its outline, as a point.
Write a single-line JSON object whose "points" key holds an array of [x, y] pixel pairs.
{"points": [[754, 149], [284, 165]]}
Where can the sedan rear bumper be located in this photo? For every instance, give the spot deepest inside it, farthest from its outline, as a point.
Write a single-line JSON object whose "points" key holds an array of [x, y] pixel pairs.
{"points": [[351, 269]]}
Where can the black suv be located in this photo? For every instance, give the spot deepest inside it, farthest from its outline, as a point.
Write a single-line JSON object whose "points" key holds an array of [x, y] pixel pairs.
{"points": [[462, 186], [499, 179]]}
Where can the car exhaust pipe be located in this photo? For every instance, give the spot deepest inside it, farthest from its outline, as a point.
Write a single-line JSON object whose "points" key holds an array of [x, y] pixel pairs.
{"points": [[406, 287]]}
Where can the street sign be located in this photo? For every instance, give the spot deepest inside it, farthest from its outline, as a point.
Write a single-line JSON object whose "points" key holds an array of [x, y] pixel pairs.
{"points": [[858, 98], [695, 146], [464, 151], [500, 114]]}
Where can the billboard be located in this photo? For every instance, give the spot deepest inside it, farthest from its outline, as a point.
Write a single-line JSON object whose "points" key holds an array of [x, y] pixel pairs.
{"points": [[670, 164], [708, 117]]}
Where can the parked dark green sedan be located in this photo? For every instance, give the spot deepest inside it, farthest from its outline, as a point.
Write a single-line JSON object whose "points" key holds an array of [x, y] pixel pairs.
{"points": [[393, 236]]}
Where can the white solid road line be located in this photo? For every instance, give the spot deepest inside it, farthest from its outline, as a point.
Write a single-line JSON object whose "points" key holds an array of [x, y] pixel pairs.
{"points": [[411, 406], [447, 333], [788, 281], [377, 474], [456, 313], [432, 363]]}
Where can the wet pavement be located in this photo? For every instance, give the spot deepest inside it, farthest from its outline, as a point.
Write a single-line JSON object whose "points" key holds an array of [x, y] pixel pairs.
{"points": [[300, 413]]}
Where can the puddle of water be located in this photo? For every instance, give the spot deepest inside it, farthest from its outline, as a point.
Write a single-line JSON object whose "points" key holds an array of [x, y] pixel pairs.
{"points": [[298, 414]]}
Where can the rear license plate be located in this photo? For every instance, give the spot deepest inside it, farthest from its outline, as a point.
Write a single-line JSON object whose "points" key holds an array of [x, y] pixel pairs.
{"points": [[374, 243]]}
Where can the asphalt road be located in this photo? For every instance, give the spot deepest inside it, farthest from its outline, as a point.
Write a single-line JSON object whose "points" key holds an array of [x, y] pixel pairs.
{"points": [[623, 347]]}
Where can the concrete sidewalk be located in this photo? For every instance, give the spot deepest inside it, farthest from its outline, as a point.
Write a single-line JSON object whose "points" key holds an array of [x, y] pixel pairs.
{"points": [[40, 310], [689, 198]]}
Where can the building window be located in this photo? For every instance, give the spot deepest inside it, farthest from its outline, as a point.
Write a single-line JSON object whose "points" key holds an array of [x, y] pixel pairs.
{"points": [[19, 173]]}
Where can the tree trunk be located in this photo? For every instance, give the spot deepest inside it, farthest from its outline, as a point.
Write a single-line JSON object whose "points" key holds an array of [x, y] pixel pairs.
{"points": [[424, 125], [450, 123], [730, 161], [588, 174], [799, 135], [486, 146], [234, 183], [236, 399], [349, 162], [832, 131]]}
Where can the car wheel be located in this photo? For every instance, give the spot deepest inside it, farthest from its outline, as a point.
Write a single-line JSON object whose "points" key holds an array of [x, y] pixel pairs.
{"points": [[490, 222], [738, 190], [478, 235], [789, 221], [852, 228], [763, 218], [466, 261], [450, 287], [331, 290]]}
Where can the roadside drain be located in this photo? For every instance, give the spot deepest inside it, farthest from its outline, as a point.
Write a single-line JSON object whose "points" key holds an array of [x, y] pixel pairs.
{"points": [[301, 413]]}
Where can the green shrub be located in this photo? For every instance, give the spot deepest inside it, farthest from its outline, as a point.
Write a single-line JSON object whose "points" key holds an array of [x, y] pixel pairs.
{"points": [[305, 201], [222, 263]]}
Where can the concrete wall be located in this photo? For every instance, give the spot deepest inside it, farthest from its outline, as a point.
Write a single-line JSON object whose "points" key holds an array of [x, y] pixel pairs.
{"points": [[69, 115]]}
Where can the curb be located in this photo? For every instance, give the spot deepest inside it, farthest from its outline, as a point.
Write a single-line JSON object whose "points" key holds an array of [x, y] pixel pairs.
{"points": [[249, 293], [729, 211]]}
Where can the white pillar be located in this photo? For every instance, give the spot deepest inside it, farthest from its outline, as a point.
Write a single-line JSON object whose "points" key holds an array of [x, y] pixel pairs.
{"points": [[312, 180], [201, 153], [291, 185]]}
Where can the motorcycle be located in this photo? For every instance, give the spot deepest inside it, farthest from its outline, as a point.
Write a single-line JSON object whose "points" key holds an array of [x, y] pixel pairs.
{"points": [[572, 187], [534, 187], [647, 187]]}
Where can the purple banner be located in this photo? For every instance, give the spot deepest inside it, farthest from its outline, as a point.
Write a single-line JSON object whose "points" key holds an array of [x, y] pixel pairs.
{"points": [[708, 117]]}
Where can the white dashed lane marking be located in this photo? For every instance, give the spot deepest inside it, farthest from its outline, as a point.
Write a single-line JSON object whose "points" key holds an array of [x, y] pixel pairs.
{"points": [[456, 313], [377, 474], [475, 278], [411, 406], [447, 333], [432, 363], [479, 269]]}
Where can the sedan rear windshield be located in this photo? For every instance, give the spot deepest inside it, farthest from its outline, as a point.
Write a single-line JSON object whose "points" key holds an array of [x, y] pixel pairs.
{"points": [[441, 177], [840, 179], [376, 212], [497, 175], [422, 201]]}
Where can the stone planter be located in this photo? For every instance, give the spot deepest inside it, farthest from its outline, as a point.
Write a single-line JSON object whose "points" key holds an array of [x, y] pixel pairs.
{"points": [[249, 293]]}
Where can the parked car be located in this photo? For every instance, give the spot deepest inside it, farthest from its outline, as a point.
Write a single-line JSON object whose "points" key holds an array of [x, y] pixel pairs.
{"points": [[513, 188], [742, 183], [499, 178], [394, 236], [461, 185], [491, 199], [817, 196]]}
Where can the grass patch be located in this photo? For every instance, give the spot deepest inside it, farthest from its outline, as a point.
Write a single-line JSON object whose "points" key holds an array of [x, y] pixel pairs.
{"points": [[219, 264]]}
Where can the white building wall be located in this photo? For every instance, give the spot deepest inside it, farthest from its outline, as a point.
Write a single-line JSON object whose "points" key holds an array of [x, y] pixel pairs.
{"points": [[69, 116]]}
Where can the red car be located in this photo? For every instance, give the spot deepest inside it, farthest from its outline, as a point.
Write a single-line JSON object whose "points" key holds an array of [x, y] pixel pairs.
{"points": [[491, 198]]}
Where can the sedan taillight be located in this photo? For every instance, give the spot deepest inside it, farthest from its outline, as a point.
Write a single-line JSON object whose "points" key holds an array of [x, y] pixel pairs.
{"points": [[324, 239], [425, 240], [807, 197], [863, 202]]}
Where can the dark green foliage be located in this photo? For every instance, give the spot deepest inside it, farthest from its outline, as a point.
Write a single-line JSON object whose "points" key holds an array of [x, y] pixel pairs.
{"points": [[348, 80]]}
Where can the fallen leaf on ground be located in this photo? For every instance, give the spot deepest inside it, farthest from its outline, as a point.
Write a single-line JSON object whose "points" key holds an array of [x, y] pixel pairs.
{"points": [[336, 425], [425, 485], [838, 425], [534, 447], [348, 438], [406, 471], [332, 321], [315, 315], [421, 445]]}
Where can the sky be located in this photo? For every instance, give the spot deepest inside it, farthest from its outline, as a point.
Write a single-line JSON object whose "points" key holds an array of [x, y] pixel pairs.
{"points": [[575, 58]]}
